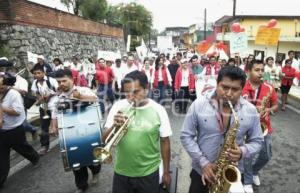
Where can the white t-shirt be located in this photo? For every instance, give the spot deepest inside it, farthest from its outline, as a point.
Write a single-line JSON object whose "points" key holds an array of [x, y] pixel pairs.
{"points": [[82, 90], [126, 70], [43, 89], [165, 127], [21, 83], [185, 78], [14, 100], [118, 72]]}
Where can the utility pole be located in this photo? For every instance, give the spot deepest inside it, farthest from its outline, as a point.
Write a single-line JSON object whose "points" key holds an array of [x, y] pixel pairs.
{"points": [[234, 8], [205, 24]]}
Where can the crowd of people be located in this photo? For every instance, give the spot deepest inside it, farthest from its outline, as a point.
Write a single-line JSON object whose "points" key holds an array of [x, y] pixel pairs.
{"points": [[150, 84]]}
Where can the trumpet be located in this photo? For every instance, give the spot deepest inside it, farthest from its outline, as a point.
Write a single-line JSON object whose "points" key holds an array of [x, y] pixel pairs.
{"points": [[103, 154], [45, 108]]}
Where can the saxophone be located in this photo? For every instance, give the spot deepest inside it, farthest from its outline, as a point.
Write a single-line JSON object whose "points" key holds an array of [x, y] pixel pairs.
{"points": [[226, 173], [264, 103]]}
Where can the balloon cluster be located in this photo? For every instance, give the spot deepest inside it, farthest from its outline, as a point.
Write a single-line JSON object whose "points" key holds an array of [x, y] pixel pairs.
{"points": [[220, 45], [237, 28], [272, 23]]}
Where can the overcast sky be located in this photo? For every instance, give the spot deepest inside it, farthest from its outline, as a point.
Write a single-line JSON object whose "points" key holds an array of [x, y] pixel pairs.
{"points": [[169, 13]]}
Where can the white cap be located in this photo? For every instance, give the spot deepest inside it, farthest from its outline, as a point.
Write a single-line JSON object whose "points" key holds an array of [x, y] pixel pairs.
{"points": [[41, 57], [3, 58], [183, 60], [67, 64]]}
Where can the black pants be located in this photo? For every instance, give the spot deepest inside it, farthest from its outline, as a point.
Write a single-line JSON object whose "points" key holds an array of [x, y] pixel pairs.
{"points": [[117, 92], [196, 183], [16, 140], [45, 124], [183, 99], [146, 184], [82, 176]]}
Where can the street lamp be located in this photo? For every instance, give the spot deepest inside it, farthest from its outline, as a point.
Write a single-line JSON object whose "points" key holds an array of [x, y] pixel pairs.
{"points": [[296, 22]]}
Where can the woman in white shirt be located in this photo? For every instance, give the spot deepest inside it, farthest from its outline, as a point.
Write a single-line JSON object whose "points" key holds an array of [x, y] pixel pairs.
{"points": [[272, 73]]}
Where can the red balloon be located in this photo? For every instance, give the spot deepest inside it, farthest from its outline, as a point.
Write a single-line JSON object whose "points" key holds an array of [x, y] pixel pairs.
{"points": [[272, 23], [236, 27], [242, 29]]}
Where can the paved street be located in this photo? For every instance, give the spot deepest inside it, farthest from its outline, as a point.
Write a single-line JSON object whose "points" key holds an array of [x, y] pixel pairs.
{"points": [[281, 174]]}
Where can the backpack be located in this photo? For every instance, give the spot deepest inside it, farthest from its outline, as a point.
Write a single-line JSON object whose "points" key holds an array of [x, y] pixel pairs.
{"points": [[48, 84]]}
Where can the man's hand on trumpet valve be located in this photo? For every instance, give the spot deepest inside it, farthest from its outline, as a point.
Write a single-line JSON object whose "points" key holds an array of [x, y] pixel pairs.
{"points": [[119, 119]]}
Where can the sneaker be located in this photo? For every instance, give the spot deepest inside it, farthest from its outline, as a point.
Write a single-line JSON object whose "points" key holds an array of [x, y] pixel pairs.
{"points": [[36, 165], [79, 191], [256, 180], [35, 136], [43, 151], [248, 189], [95, 178]]}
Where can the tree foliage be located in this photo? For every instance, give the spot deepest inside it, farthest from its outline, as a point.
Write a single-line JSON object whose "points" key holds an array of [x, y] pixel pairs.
{"points": [[94, 9], [75, 4], [89, 9], [135, 18]]}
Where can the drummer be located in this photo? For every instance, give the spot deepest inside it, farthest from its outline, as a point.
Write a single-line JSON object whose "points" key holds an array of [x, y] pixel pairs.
{"points": [[67, 89]]}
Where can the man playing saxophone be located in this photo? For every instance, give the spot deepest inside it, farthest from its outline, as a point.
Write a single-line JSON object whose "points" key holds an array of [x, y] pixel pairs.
{"points": [[264, 97], [207, 123], [139, 152]]}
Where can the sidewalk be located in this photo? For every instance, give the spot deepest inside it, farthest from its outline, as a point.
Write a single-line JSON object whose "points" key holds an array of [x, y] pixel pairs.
{"points": [[15, 158], [295, 93]]}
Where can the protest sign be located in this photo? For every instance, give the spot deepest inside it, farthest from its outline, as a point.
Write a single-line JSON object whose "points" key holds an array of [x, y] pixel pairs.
{"points": [[238, 42], [267, 36]]}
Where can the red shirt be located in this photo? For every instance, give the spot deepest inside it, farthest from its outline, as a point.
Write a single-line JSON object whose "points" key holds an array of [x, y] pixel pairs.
{"points": [[104, 75], [255, 96], [289, 73], [75, 76]]}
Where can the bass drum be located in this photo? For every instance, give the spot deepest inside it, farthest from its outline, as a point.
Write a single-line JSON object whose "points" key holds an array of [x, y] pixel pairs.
{"points": [[79, 133]]}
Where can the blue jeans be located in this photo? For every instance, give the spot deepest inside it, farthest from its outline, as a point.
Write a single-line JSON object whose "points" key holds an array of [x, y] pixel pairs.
{"points": [[251, 169], [159, 92], [102, 91], [28, 127]]}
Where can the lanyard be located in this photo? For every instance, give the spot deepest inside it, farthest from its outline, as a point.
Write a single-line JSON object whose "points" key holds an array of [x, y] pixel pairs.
{"points": [[257, 93], [220, 119]]}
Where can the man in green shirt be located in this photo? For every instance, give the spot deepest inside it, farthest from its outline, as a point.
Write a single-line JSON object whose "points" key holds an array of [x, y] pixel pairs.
{"points": [[146, 143]]}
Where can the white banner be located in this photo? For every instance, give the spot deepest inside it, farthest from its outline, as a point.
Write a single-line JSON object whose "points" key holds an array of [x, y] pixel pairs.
{"points": [[128, 43], [108, 55], [142, 50], [204, 84], [32, 57], [238, 42]]}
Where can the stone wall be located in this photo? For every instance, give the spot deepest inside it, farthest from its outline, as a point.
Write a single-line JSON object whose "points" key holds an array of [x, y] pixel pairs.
{"points": [[27, 26], [54, 43]]}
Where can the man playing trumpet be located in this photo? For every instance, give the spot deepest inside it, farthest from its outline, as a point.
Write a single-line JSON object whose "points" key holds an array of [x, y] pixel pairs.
{"points": [[139, 152], [45, 89]]}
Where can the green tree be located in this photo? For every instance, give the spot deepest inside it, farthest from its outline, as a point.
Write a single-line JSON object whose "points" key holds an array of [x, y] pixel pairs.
{"points": [[89, 9], [136, 18], [94, 9], [113, 15], [75, 4]]}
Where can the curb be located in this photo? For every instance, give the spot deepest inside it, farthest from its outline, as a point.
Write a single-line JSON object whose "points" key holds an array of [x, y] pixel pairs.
{"points": [[294, 97], [22, 164]]}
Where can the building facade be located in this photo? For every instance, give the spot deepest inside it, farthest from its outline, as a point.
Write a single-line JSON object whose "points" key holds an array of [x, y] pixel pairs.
{"points": [[289, 36]]}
